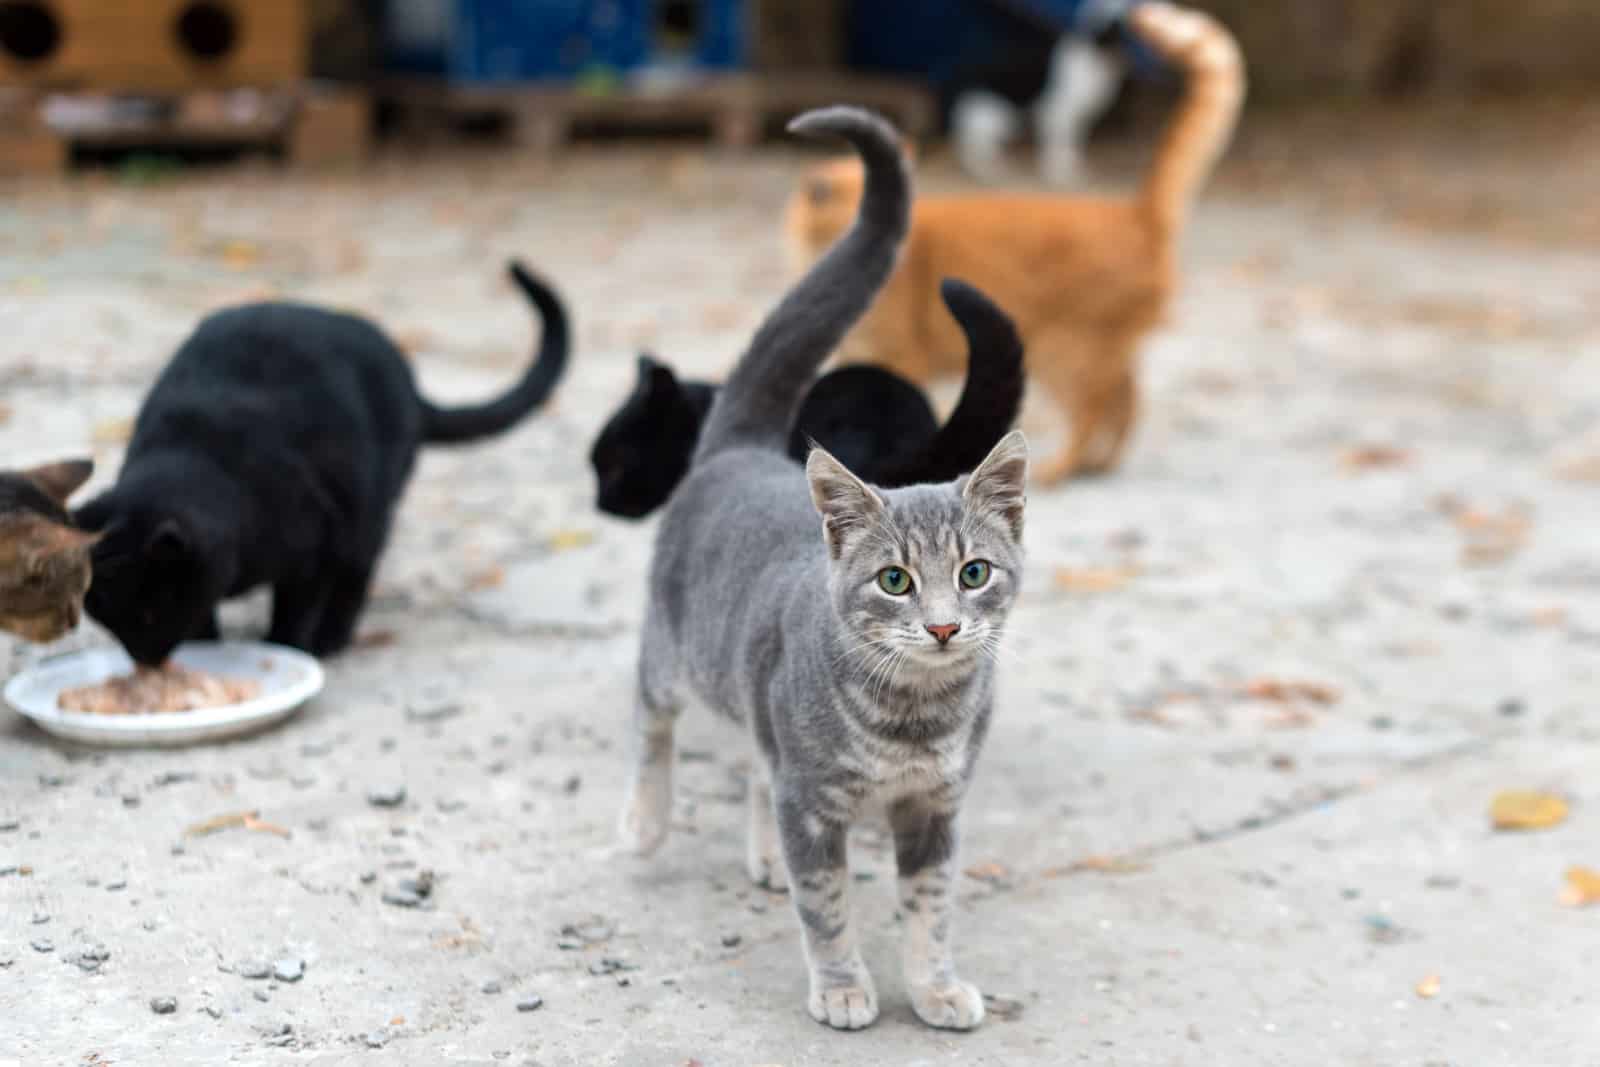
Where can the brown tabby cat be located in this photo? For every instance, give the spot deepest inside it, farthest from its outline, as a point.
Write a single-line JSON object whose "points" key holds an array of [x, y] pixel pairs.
{"points": [[1084, 278], [44, 559]]}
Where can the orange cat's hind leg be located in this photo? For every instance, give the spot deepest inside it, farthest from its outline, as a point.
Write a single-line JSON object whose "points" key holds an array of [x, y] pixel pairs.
{"points": [[1054, 360], [1091, 379], [1118, 411]]}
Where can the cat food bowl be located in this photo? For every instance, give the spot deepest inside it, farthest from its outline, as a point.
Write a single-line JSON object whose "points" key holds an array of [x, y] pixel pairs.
{"points": [[283, 679]]}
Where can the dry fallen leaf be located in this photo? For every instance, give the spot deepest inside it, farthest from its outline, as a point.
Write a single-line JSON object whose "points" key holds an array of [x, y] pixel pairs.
{"points": [[1490, 537], [721, 316], [1155, 714], [249, 820], [241, 255], [255, 824], [1093, 579], [1552, 616], [1279, 691], [1516, 809], [113, 431], [1373, 457], [989, 871], [5, 413], [1582, 888], [398, 1020], [376, 639], [489, 578], [1428, 988], [566, 540], [1098, 863], [414, 339], [470, 937], [1292, 717], [1586, 469], [219, 822]]}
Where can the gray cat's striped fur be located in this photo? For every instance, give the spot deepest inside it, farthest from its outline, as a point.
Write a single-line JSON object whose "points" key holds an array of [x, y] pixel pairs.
{"points": [[851, 699]]}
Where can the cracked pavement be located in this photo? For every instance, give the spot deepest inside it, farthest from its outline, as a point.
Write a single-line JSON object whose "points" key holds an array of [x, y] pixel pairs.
{"points": [[1360, 475]]}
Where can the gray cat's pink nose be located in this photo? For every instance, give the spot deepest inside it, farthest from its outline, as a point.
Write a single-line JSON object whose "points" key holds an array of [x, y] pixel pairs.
{"points": [[944, 632]]}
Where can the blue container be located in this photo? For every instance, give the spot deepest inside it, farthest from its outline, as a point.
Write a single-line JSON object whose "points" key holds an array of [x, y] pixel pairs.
{"points": [[501, 41], [934, 39]]}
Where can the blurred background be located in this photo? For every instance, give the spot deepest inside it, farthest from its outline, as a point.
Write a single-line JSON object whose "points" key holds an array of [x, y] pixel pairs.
{"points": [[315, 81], [1365, 469]]}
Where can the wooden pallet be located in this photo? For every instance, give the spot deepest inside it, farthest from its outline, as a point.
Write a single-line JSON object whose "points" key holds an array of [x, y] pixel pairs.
{"points": [[155, 45], [734, 108], [310, 126]]}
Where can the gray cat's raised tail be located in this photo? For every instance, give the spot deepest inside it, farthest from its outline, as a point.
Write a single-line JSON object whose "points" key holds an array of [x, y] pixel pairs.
{"points": [[758, 404]]}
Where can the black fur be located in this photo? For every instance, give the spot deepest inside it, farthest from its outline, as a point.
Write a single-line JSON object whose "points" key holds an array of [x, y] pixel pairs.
{"points": [[273, 450], [644, 450], [875, 422]]}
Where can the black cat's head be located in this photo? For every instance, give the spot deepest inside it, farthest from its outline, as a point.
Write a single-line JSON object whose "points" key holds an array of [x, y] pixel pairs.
{"points": [[645, 448], [156, 580]]}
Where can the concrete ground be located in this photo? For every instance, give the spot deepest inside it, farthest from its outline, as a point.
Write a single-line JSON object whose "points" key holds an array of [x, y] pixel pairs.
{"points": [[1367, 464]]}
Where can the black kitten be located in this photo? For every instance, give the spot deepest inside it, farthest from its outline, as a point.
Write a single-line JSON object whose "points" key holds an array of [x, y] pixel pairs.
{"points": [[272, 451], [875, 422]]}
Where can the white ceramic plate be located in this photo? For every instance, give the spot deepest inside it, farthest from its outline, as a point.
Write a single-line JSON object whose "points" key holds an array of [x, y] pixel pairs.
{"points": [[288, 679]]}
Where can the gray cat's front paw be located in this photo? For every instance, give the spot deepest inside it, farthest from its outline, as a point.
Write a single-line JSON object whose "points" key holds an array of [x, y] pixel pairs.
{"points": [[849, 1006], [951, 1006]]}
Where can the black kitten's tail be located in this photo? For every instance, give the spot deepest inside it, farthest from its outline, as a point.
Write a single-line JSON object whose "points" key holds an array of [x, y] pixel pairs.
{"points": [[452, 425], [990, 399], [757, 406]]}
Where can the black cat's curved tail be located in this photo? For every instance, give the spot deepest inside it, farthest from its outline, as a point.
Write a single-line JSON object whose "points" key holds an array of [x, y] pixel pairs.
{"points": [[454, 425], [990, 399]]}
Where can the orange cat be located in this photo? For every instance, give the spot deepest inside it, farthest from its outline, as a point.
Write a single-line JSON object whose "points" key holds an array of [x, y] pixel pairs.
{"points": [[1084, 278]]}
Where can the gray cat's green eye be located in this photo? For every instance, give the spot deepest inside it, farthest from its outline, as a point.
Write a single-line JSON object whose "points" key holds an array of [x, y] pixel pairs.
{"points": [[975, 575], [894, 581]]}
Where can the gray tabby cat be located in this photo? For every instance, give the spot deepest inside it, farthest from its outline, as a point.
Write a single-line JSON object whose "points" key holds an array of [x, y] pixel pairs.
{"points": [[861, 660]]}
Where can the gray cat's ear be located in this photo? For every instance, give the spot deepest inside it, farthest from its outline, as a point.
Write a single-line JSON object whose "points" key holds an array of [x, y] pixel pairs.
{"points": [[61, 480], [847, 504], [1000, 484]]}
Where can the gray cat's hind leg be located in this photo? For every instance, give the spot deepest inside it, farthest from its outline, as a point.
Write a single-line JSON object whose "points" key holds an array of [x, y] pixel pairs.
{"points": [[763, 855], [647, 811]]}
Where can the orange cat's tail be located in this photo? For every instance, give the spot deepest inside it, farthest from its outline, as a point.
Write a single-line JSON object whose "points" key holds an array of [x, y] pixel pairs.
{"points": [[1210, 60]]}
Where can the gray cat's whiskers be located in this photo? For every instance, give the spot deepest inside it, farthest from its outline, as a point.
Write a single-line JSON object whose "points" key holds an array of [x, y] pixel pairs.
{"points": [[992, 643], [875, 680], [874, 642]]}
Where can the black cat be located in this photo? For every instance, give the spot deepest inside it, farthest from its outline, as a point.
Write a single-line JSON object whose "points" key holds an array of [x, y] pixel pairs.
{"points": [[878, 424], [272, 451]]}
